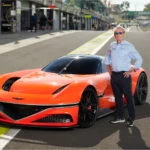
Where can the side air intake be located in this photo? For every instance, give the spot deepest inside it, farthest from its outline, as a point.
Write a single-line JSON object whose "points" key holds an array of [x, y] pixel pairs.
{"points": [[7, 85]]}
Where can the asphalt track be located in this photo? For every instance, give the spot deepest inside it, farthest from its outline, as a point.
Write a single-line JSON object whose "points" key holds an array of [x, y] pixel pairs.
{"points": [[102, 135]]}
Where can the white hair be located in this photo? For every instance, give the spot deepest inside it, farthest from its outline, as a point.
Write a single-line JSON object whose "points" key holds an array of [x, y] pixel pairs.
{"points": [[120, 27]]}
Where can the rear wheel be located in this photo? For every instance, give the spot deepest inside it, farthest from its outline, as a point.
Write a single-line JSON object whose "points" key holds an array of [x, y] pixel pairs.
{"points": [[141, 91], [88, 108]]}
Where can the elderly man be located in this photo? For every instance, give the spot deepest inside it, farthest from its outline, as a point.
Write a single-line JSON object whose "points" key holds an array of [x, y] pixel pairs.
{"points": [[118, 61]]}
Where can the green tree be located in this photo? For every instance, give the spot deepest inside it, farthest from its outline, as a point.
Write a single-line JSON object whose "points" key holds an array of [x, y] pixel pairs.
{"points": [[90, 4], [125, 6], [70, 3], [147, 7], [67, 1], [116, 9]]}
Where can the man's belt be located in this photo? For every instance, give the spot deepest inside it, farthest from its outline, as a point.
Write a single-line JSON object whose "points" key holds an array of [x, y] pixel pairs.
{"points": [[118, 73]]}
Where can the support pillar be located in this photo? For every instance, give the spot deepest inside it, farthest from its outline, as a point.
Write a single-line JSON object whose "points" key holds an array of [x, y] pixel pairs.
{"points": [[67, 21], [18, 15], [56, 20], [80, 23], [86, 24], [33, 9], [0, 16], [61, 19], [45, 12]]}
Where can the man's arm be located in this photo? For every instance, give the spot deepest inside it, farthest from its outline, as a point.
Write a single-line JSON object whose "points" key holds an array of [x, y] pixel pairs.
{"points": [[109, 69], [133, 54], [108, 61]]}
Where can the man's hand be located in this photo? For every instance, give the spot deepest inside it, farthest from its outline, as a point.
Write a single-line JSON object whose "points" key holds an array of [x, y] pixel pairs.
{"points": [[109, 69], [128, 73], [132, 69]]}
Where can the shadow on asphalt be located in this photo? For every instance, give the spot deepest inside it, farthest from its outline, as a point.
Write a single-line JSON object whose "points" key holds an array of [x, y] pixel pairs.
{"points": [[5, 39], [130, 138]]}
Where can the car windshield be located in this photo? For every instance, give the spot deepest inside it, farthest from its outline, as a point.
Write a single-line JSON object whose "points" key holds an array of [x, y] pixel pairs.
{"points": [[68, 65]]}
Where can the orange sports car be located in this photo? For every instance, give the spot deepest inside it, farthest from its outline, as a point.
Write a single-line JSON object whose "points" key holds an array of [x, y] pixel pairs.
{"points": [[72, 90]]}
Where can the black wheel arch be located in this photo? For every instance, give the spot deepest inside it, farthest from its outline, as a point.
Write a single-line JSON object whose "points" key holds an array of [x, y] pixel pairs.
{"points": [[139, 86], [80, 122]]}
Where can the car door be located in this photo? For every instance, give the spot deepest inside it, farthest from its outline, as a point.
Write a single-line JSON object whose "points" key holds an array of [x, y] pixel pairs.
{"points": [[108, 100]]}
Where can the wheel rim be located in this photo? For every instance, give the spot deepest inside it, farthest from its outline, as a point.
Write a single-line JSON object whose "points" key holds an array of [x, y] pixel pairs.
{"points": [[88, 107], [142, 88]]}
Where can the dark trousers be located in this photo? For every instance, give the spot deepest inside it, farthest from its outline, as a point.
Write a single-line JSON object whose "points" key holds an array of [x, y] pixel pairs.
{"points": [[33, 25], [121, 85]]}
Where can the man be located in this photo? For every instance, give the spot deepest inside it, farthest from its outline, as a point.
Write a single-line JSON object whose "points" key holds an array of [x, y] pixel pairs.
{"points": [[50, 23], [118, 61], [43, 21], [34, 22]]}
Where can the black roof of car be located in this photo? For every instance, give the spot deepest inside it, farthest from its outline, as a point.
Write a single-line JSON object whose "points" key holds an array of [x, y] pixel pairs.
{"points": [[76, 64], [83, 56]]}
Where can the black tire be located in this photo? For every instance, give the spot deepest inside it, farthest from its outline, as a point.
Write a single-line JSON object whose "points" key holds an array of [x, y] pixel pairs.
{"points": [[141, 91], [88, 108]]}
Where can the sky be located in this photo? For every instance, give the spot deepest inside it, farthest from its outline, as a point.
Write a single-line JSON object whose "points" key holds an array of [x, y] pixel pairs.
{"points": [[135, 5]]}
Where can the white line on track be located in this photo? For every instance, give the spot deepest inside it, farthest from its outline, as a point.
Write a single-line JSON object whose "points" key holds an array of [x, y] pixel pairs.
{"points": [[100, 47], [5, 139]]}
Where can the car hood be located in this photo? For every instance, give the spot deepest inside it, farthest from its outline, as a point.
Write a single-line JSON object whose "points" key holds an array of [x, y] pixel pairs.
{"points": [[43, 82]]}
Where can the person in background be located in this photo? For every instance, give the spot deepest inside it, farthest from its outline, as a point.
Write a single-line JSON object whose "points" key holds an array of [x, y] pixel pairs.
{"points": [[43, 21], [34, 22], [50, 23]]}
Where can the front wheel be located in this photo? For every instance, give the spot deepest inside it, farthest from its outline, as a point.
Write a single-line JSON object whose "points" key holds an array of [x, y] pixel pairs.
{"points": [[88, 108], [141, 91]]}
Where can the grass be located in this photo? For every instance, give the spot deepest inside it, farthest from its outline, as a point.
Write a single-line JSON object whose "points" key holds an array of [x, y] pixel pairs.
{"points": [[3, 130]]}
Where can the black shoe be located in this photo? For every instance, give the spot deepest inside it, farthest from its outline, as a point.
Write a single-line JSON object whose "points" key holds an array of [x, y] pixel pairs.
{"points": [[130, 122], [118, 120]]}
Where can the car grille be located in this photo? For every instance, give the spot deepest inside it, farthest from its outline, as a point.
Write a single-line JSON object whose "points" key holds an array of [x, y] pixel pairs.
{"points": [[60, 118], [16, 111]]}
